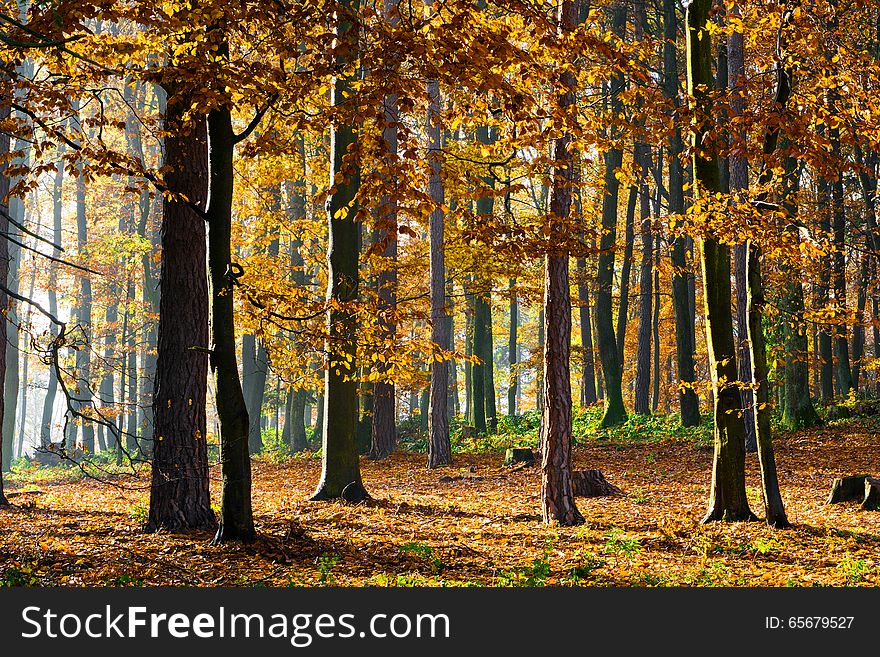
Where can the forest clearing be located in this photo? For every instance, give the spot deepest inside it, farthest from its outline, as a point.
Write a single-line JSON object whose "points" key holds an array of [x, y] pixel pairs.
{"points": [[482, 528]]}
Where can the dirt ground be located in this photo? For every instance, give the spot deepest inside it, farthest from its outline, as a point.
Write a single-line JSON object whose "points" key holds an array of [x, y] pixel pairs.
{"points": [[481, 528]]}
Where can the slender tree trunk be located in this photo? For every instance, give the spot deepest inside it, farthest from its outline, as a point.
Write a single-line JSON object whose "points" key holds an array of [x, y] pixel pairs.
{"points": [[826, 345], [626, 266], [439, 446], [512, 350], [858, 340], [646, 297], [83, 397], [179, 497], [684, 317], [340, 474], [26, 361], [739, 183], [557, 494], [588, 373], [655, 321], [384, 428], [5, 147], [609, 354], [236, 514], [728, 499], [798, 410]]}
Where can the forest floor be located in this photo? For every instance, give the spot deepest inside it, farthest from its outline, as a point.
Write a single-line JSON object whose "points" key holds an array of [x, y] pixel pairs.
{"points": [[481, 528]]}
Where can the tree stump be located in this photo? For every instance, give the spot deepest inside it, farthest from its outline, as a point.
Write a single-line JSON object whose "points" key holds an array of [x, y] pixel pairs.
{"points": [[468, 433], [519, 455], [591, 483], [848, 488], [872, 495]]}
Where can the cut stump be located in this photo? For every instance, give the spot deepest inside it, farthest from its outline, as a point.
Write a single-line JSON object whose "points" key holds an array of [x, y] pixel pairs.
{"points": [[872, 495], [516, 455], [592, 483], [848, 488]]}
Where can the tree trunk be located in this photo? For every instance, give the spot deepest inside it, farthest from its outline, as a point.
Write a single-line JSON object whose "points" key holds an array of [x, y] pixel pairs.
{"points": [[798, 410], [384, 428], [838, 258], [439, 446], [773, 507], [588, 373], [512, 348], [4, 256], [826, 348], [478, 370], [340, 474], [646, 297], [655, 321], [83, 396], [626, 266], [557, 493], [236, 514], [609, 354], [684, 318], [728, 499], [179, 497], [739, 183]]}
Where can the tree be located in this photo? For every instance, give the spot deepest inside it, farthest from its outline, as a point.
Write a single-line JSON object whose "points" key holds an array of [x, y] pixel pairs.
{"points": [[179, 497], [340, 473], [609, 354], [728, 499], [439, 447], [684, 317], [557, 494]]}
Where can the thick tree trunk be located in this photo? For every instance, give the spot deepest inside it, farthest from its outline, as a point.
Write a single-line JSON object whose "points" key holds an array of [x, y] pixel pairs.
{"points": [[439, 446], [179, 497], [684, 317], [340, 473], [728, 499], [557, 493]]}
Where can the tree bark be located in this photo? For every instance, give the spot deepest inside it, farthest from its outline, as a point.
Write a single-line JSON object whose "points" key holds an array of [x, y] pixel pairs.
{"points": [[236, 513], [728, 499], [684, 318], [609, 354], [179, 497], [512, 349], [646, 296], [557, 493], [439, 446], [340, 473]]}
